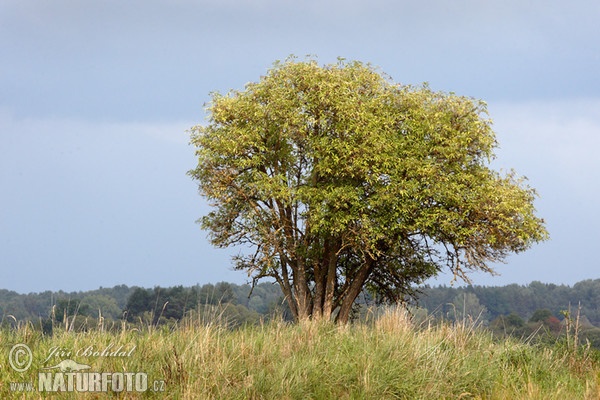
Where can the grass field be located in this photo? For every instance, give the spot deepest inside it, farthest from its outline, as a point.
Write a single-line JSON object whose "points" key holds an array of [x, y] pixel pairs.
{"points": [[388, 358]]}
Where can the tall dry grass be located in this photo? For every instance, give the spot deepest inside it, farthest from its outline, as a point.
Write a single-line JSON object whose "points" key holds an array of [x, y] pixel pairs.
{"points": [[388, 357]]}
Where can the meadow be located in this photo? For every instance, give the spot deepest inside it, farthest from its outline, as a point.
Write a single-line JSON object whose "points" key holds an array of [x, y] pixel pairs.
{"points": [[390, 356]]}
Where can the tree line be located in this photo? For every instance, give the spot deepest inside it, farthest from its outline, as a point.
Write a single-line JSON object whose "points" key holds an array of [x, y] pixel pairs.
{"points": [[490, 302], [513, 304], [237, 304]]}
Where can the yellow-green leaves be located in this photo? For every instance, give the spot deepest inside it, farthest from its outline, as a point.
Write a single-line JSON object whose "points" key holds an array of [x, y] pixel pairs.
{"points": [[397, 177]]}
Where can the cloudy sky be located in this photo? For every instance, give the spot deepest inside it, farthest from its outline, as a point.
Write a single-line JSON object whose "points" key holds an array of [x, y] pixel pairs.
{"points": [[96, 97]]}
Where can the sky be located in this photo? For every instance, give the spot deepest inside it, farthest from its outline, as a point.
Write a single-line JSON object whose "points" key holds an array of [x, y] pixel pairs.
{"points": [[97, 99]]}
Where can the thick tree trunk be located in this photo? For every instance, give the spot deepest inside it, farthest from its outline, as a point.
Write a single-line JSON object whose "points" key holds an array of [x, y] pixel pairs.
{"points": [[330, 278], [354, 290], [301, 291], [319, 296], [325, 279]]}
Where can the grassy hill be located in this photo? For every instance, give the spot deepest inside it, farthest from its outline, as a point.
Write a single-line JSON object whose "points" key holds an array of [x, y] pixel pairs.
{"points": [[388, 357]]}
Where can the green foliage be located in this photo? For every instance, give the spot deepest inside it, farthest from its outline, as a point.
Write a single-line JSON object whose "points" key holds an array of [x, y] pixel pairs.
{"points": [[102, 304], [541, 315], [69, 308], [108, 308], [522, 300], [541, 305], [466, 305], [511, 324], [342, 179], [139, 302], [500, 305]]}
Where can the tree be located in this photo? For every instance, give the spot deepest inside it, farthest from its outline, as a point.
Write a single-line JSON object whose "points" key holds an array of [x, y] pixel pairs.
{"points": [[467, 306], [339, 180], [102, 304], [68, 308], [541, 315], [139, 301]]}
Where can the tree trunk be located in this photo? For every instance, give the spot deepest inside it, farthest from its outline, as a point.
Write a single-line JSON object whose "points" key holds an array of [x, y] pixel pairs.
{"points": [[301, 290], [319, 270], [286, 288], [354, 290], [331, 278]]}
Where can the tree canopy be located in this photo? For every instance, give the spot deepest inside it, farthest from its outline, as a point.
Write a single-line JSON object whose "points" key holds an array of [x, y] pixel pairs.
{"points": [[339, 179]]}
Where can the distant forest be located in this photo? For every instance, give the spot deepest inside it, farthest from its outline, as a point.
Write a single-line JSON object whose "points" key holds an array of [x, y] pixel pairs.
{"points": [[512, 309]]}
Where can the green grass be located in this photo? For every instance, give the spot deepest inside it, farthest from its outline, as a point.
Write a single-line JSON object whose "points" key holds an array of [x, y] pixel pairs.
{"points": [[389, 358]]}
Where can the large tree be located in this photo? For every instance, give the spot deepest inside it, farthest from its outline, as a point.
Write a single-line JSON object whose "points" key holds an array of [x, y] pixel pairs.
{"points": [[335, 179]]}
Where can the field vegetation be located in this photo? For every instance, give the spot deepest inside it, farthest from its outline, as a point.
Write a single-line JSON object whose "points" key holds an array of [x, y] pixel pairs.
{"points": [[391, 354]]}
